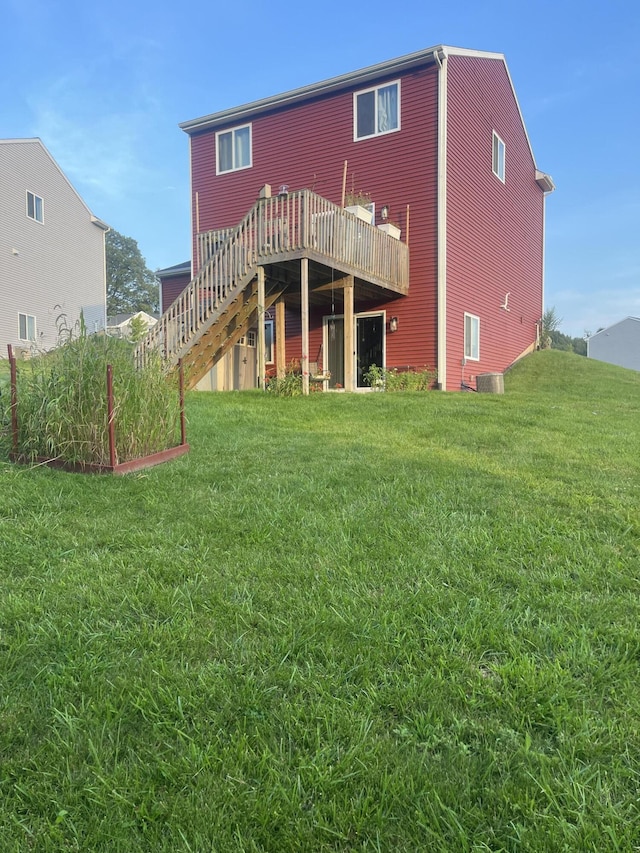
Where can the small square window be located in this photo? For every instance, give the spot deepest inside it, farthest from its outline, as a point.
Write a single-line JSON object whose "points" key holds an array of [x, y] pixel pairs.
{"points": [[498, 156], [233, 149], [26, 327], [472, 337], [35, 207], [377, 111]]}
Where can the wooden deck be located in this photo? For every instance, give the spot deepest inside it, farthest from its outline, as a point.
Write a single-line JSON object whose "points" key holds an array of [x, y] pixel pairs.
{"points": [[214, 306]]}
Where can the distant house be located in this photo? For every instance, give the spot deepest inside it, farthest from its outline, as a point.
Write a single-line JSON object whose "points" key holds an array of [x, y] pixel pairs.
{"points": [[390, 217], [52, 250], [119, 326], [173, 281], [618, 344]]}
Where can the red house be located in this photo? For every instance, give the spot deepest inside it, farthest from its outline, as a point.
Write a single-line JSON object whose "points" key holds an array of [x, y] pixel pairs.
{"points": [[436, 143]]}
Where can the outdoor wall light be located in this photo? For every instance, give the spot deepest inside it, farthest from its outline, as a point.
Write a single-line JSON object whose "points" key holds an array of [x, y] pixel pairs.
{"points": [[393, 324], [284, 189], [384, 212]]}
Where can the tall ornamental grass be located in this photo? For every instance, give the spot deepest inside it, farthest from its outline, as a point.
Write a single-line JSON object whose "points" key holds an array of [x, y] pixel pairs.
{"points": [[62, 403]]}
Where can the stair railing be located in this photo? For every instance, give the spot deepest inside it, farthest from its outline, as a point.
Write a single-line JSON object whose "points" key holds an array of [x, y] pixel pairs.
{"points": [[277, 226]]}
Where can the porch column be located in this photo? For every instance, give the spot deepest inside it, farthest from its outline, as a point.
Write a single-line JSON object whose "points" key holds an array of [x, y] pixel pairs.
{"points": [[261, 340], [281, 352], [349, 347], [304, 317]]}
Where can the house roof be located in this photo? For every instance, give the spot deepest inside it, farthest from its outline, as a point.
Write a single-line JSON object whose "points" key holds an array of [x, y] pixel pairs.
{"points": [[37, 141], [334, 84], [176, 269], [613, 326], [123, 319], [363, 76]]}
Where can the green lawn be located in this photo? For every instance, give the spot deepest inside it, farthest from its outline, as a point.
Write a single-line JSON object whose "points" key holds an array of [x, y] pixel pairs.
{"points": [[382, 622]]}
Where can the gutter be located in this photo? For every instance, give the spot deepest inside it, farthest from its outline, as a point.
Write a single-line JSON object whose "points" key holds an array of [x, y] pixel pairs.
{"points": [[100, 223]]}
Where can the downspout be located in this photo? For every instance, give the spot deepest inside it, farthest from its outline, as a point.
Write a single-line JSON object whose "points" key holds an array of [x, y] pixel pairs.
{"points": [[195, 260], [544, 264], [442, 219]]}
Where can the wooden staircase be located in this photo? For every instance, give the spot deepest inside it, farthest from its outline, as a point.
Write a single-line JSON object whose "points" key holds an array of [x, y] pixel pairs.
{"points": [[221, 303], [234, 321]]}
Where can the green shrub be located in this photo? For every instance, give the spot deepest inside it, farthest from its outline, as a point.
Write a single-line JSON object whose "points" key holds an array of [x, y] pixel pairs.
{"points": [[399, 380], [62, 402], [289, 385]]}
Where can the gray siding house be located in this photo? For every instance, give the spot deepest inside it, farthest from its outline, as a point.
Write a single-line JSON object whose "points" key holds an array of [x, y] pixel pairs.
{"points": [[618, 344], [52, 250]]}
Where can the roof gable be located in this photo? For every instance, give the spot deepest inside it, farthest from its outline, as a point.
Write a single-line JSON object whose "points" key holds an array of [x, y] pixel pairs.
{"points": [[360, 77], [39, 143], [613, 326], [176, 269]]}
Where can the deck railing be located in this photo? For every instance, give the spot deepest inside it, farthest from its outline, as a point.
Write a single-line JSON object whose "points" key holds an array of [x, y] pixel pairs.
{"points": [[289, 225]]}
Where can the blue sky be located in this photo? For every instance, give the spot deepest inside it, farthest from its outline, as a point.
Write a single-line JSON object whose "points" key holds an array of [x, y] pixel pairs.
{"points": [[105, 85]]}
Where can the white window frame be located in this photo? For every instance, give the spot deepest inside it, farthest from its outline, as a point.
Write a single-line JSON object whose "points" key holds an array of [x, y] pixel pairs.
{"points": [[498, 156], [27, 320], [471, 346], [234, 166], [268, 342], [376, 132], [36, 198]]}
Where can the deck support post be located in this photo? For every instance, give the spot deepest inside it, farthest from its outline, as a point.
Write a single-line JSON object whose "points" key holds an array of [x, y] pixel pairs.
{"points": [[349, 348], [281, 352], [304, 317], [261, 338]]}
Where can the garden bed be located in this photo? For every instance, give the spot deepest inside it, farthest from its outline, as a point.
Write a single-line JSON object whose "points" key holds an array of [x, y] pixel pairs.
{"points": [[66, 413]]}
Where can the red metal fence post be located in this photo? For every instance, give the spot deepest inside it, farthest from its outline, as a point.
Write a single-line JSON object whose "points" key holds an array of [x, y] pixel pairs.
{"points": [[183, 429]]}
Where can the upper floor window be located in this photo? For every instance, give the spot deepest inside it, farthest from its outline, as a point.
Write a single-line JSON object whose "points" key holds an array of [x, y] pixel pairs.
{"points": [[498, 156], [26, 327], [233, 149], [35, 207], [472, 337], [376, 111]]}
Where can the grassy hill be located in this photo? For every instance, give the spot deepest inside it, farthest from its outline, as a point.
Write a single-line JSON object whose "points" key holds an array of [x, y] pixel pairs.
{"points": [[386, 622]]}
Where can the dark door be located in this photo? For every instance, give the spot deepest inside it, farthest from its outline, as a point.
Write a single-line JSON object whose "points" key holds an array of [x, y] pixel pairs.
{"points": [[369, 345]]}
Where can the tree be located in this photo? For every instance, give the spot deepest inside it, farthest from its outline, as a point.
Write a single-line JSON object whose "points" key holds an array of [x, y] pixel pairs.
{"points": [[131, 286], [550, 320], [580, 346], [552, 336], [138, 329]]}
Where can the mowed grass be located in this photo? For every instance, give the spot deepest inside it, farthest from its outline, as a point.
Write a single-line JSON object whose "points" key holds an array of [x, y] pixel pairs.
{"points": [[382, 622]]}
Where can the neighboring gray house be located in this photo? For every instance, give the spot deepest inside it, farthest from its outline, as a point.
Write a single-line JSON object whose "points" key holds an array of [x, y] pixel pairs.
{"points": [[52, 250], [618, 344]]}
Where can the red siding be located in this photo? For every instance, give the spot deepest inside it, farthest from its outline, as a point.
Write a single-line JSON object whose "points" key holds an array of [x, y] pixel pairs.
{"points": [[305, 146], [172, 287], [494, 230]]}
